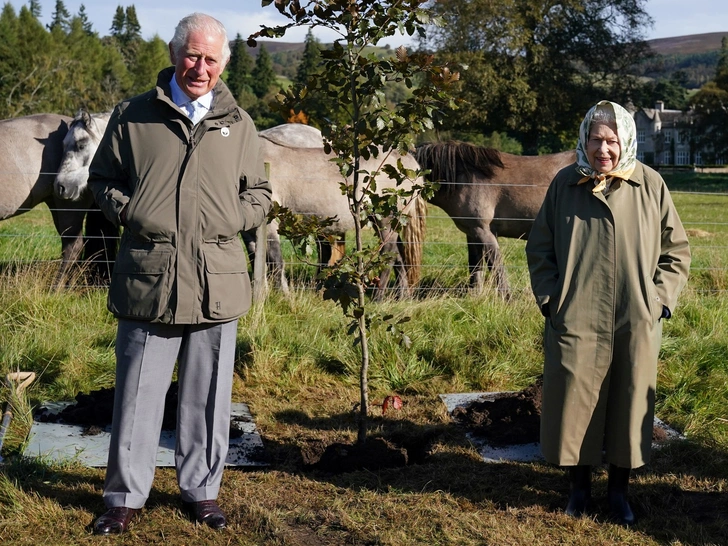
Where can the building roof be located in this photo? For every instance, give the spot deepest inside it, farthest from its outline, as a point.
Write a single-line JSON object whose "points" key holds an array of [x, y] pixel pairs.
{"points": [[661, 115]]}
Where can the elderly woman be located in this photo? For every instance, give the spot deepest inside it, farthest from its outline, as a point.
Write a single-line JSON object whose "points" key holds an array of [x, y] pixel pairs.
{"points": [[608, 257]]}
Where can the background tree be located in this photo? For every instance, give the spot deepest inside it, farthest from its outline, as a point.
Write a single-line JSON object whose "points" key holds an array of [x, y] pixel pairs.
{"points": [[83, 17], [310, 64], [10, 57], [130, 39], [132, 28], [353, 82], [118, 23], [151, 56], [28, 67], [672, 91], [61, 18], [711, 110], [239, 68], [68, 66], [316, 109], [263, 78], [125, 35], [35, 9], [535, 66]]}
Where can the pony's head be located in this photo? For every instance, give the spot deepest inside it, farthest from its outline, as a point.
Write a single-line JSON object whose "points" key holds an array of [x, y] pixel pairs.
{"points": [[79, 146]]}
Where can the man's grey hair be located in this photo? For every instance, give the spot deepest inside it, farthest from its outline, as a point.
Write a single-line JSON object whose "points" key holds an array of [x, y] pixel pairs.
{"points": [[199, 22]]}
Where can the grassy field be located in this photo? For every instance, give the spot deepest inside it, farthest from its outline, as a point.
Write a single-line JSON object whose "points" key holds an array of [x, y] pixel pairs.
{"points": [[298, 372]]}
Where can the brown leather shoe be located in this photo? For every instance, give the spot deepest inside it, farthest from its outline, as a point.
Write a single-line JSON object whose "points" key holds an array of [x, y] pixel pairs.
{"points": [[207, 512], [115, 521]]}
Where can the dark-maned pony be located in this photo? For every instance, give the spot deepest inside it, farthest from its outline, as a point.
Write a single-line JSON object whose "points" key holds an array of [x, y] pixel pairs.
{"points": [[489, 194]]}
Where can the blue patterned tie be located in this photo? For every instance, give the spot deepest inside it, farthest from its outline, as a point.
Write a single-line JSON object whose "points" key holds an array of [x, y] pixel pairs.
{"points": [[194, 111]]}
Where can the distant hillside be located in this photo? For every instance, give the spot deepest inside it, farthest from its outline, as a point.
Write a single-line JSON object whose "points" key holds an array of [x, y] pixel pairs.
{"points": [[688, 45], [273, 46], [696, 55], [286, 56], [677, 45]]}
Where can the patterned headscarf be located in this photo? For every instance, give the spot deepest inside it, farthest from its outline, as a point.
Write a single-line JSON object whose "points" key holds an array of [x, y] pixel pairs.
{"points": [[627, 134]]}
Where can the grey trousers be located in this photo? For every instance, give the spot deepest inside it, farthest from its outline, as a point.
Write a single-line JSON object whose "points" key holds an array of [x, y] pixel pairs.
{"points": [[145, 357]]}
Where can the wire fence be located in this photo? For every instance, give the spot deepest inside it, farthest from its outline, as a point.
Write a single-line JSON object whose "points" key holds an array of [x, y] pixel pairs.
{"points": [[444, 267]]}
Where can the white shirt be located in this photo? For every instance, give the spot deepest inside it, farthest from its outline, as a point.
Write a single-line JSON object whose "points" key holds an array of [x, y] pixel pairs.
{"points": [[195, 109]]}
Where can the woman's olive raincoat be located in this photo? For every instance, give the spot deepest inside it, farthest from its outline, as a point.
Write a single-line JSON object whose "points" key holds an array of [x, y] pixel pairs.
{"points": [[602, 269]]}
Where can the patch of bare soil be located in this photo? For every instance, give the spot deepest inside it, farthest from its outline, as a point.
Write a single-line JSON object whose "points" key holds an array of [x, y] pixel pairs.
{"points": [[513, 418], [392, 449], [510, 418], [93, 411], [375, 454]]}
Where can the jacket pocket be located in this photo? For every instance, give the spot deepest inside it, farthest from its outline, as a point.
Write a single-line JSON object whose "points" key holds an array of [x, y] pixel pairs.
{"points": [[227, 292], [140, 284], [654, 302]]}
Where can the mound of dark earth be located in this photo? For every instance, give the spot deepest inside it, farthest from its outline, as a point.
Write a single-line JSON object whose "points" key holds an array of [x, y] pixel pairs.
{"points": [[93, 411], [509, 418], [512, 418]]}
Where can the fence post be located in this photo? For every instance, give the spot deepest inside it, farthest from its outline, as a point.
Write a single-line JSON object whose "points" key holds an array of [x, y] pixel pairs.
{"points": [[260, 277]]}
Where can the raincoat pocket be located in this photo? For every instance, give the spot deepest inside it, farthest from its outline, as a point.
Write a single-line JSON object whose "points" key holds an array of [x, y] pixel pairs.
{"points": [[654, 302]]}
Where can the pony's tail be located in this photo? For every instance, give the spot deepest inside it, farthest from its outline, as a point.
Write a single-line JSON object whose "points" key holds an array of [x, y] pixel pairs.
{"points": [[413, 235]]}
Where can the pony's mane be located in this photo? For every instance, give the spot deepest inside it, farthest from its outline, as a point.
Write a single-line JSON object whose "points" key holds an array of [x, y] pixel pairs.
{"points": [[446, 159]]}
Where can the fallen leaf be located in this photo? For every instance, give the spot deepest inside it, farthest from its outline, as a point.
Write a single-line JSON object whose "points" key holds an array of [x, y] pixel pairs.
{"points": [[393, 401]]}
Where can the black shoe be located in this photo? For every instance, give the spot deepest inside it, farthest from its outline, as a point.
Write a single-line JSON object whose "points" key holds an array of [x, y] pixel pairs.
{"points": [[617, 487], [580, 495], [115, 521], [207, 512]]}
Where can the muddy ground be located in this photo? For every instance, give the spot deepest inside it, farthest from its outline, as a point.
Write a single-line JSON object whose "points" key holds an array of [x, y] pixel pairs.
{"points": [[511, 418]]}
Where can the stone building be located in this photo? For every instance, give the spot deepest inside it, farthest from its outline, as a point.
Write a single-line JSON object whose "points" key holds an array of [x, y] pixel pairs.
{"points": [[664, 136]]}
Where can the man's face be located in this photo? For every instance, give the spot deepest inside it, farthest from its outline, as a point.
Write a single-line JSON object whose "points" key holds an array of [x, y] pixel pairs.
{"points": [[199, 63]]}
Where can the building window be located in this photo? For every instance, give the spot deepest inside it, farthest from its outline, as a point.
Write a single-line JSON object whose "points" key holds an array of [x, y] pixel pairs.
{"points": [[683, 158], [641, 157], [698, 159], [668, 137], [667, 158], [641, 136], [679, 138]]}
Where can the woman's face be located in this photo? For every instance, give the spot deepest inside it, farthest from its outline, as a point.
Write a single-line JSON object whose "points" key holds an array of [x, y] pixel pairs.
{"points": [[603, 147]]}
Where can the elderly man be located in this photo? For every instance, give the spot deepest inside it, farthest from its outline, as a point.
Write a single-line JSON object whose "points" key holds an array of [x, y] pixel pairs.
{"points": [[179, 167]]}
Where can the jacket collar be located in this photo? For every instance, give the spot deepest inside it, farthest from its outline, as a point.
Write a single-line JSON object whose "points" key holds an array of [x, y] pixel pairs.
{"points": [[638, 176], [223, 102]]}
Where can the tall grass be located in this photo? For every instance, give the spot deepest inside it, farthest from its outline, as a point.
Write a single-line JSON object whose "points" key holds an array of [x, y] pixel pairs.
{"points": [[460, 341]]}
